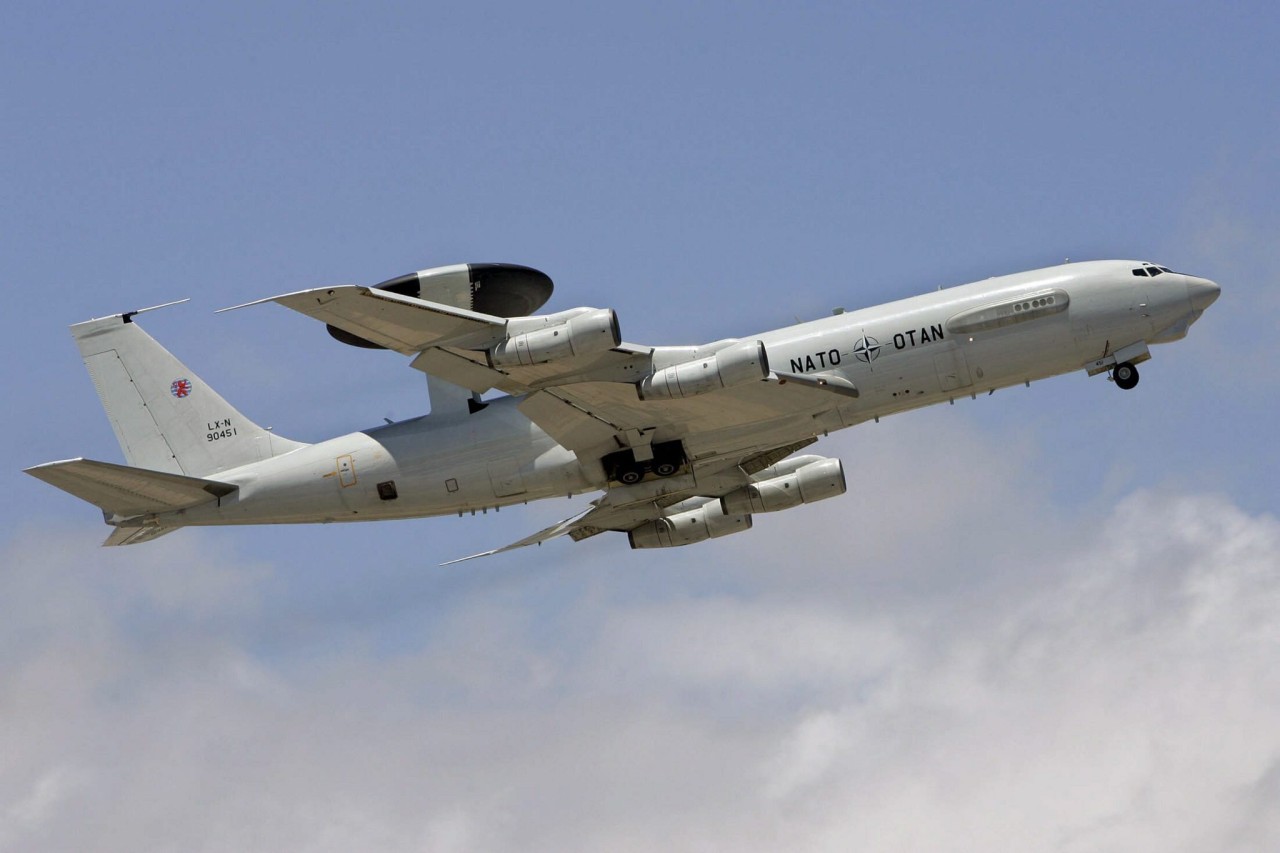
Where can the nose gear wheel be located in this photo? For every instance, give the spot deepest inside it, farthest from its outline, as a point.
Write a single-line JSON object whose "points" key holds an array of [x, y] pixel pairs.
{"points": [[1125, 376]]}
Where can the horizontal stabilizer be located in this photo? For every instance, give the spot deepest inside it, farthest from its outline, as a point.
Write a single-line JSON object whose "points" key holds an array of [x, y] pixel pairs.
{"points": [[125, 491]]}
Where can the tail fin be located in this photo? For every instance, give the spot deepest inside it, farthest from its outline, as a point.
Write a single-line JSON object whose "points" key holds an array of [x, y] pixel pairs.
{"points": [[164, 417]]}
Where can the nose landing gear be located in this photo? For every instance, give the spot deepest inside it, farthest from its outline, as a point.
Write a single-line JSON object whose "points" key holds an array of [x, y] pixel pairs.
{"points": [[1125, 376]]}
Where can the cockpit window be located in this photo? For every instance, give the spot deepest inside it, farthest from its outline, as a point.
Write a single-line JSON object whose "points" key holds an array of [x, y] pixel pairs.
{"points": [[1165, 269], [1140, 272], [1153, 271]]}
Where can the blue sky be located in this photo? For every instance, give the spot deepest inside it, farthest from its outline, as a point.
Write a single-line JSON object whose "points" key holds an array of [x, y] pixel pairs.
{"points": [[1060, 597]]}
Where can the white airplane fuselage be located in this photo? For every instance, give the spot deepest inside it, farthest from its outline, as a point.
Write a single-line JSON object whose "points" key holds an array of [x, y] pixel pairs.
{"points": [[932, 348]]}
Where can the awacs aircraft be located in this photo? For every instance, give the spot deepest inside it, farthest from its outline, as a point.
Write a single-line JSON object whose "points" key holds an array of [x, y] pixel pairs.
{"points": [[687, 442]]}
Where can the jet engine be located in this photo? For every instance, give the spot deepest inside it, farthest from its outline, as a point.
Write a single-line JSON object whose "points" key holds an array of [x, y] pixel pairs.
{"points": [[537, 340], [685, 528], [736, 364], [815, 481]]}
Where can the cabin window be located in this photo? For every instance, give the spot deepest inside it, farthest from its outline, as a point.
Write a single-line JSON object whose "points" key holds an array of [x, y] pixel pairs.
{"points": [[387, 491]]}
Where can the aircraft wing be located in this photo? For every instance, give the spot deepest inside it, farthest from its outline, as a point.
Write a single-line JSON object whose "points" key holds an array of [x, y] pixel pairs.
{"points": [[588, 402], [469, 369], [626, 507], [400, 323], [599, 417], [449, 342]]}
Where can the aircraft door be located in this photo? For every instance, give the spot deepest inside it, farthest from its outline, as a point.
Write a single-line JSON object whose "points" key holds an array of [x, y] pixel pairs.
{"points": [[344, 476], [346, 471]]}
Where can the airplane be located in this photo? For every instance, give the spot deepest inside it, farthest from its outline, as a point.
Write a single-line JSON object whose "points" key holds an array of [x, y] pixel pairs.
{"points": [[687, 443]]}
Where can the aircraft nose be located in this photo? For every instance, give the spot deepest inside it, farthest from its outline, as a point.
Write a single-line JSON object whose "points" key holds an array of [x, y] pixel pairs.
{"points": [[1201, 292]]}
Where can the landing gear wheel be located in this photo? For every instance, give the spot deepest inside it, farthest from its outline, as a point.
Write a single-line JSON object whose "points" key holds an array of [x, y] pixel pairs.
{"points": [[629, 476], [665, 467], [1125, 376]]}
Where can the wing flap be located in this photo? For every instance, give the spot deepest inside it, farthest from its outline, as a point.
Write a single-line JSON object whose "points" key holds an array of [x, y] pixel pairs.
{"points": [[135, 535], [733, 417], [452, 366], [625, 363], [569, 424], [126, 491]]}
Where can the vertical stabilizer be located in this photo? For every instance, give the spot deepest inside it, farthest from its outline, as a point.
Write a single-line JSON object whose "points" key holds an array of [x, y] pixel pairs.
{"points": [[164, 417]]}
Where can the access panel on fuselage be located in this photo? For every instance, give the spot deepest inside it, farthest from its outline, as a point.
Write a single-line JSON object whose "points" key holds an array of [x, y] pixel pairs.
{"points": [[952, 369], [504, 475]]}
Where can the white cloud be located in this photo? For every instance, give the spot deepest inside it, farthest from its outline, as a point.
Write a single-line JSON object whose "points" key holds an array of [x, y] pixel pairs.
{"points": [[39, 803], [1121, 695], [1132, 707]]}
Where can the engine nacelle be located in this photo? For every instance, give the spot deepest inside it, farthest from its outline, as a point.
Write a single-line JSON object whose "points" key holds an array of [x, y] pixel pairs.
{"points": [[736, 364], [685, 528], [557, 336], [814, 482]]}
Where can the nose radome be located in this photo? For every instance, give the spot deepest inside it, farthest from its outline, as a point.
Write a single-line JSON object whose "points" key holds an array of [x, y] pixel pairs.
{"points": [[1201, 292]]}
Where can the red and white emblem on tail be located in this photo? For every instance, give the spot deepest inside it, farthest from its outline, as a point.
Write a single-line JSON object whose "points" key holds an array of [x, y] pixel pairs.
{"points": [[180, 388]]}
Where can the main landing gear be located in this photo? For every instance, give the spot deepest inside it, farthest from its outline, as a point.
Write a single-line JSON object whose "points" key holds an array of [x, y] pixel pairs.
{"points": [[623, 467], [1125, 376]]}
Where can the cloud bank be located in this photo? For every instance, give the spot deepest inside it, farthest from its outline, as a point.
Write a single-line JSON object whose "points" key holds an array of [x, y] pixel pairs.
{"points": [[1122, 694]]}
